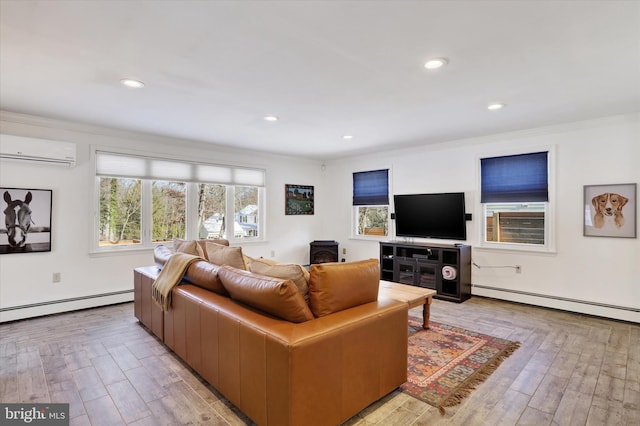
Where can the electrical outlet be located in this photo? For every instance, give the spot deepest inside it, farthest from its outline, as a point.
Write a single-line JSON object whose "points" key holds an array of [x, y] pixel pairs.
{"points": [[56, 277], [273, 253], [518, 269], [344, 250]]}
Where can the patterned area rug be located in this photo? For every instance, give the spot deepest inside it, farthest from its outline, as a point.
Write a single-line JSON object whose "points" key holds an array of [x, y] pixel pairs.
{"points": [[446, 363]]}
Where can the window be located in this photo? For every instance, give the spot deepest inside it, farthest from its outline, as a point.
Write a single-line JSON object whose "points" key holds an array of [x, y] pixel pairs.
{"points": [[143, 201], [120, 218], [246, 212], [371, 202], [212, 202], [169, 210], [515, 200]]}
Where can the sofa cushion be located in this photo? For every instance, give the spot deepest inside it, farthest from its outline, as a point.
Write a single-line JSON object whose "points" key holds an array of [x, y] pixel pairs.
{"points": [[205, 275], [188, 247], [276, 296], [337, 286], [224, 255], [203, 244], [249, 259], [200, 273], [288, 271], [161, 255]]}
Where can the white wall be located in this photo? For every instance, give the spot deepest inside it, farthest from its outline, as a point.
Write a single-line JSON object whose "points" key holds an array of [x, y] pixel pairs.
{"points": [[590, 269], [602, 270], [26, 278]]}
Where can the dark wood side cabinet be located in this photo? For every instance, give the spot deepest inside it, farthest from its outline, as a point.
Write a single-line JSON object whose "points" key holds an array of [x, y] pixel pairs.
{"points": [[429, 266]]}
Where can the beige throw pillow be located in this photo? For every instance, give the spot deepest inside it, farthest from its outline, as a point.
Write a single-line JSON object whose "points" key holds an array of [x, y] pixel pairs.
{"points": [[289, 271], [188, 247], [223, 255]]}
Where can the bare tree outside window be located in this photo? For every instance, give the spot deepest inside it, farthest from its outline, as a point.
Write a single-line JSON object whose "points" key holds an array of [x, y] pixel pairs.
{"points": [[120, 213], [373, 220], [169, 210]]}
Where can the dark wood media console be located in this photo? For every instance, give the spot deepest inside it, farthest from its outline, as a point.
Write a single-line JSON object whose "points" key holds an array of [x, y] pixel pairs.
{"points": [[443, 268]]}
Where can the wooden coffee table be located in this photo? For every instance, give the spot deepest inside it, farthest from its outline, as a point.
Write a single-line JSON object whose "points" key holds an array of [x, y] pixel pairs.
{"points": [[412, 295]]}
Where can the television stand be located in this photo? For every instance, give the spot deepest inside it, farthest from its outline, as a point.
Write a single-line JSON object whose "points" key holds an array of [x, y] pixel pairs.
{"points": [[443, 268]]}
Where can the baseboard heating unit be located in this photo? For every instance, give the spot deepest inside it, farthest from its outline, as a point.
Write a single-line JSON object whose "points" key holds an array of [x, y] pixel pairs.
{"points": [[560, 298], [11, 313]]}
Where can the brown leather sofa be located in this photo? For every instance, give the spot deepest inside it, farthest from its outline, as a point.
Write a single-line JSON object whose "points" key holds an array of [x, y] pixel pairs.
{"points": [[320, 370]]}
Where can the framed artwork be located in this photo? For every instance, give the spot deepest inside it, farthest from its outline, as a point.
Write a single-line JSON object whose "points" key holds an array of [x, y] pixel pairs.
{"points": [[298, 199], [610, 210], [26, 227]]}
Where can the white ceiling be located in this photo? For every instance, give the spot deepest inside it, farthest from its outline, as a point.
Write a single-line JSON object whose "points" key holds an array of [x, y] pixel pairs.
{"points": [[213, 69]]}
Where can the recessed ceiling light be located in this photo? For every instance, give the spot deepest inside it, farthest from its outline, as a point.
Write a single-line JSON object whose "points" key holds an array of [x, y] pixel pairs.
{"points": [[270, 118], [435, 63], [347, 137], [134, 84], [495, 106]]}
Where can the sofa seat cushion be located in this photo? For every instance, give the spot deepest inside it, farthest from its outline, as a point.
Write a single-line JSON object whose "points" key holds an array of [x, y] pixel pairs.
{"points": [[337, 286], [276, 296], [223, 255], [289, 271]]}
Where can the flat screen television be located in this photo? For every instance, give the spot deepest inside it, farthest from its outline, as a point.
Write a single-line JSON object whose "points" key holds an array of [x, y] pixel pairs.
{"points": [[431, 215]]}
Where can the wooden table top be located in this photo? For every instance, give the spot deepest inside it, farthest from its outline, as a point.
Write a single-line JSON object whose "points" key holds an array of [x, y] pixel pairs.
{"points": [[403, 292]]}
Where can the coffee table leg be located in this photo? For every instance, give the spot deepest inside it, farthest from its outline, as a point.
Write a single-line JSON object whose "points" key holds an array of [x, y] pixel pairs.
{"points": [[426, 313]]}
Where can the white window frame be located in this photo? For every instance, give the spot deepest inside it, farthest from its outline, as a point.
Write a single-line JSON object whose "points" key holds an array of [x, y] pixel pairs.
{"points": [[549, 245], [191, 203]]}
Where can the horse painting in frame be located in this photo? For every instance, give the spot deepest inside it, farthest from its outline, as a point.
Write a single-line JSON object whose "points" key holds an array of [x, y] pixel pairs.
{"points": [[27, 220]]}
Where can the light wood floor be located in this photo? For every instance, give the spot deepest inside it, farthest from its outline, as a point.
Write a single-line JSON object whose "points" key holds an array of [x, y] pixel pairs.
{"points": [[570, 370]]}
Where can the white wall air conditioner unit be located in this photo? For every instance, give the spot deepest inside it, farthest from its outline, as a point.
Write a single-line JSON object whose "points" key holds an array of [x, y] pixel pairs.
{"points": [[41, 151]]}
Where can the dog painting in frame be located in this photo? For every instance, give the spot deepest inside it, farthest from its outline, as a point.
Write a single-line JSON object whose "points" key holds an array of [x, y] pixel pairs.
{"points": [[610, 210], [608, 207]]}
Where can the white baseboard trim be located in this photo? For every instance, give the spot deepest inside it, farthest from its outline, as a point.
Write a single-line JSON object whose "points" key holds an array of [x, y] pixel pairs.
{"points": [[13, 313], [624, 313]]}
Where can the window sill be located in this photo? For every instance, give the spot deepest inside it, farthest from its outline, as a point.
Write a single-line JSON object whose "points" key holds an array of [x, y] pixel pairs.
{"points": [[118, 251], [511, 247], [370, 237]]}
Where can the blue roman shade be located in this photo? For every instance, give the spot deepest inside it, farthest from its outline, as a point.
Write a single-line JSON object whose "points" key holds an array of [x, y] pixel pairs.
{"points": [[514, 178], [371, 188]]}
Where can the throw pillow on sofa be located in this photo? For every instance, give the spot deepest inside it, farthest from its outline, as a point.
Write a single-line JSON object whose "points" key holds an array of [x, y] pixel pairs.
{"points": [[203, 244], [161, 255], [275, 296], [188, 247], [224, 255], [289, 271], [337, 286]]}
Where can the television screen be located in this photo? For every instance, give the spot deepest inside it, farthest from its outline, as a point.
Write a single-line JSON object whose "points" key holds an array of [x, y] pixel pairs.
{"points": [[431, 215]]}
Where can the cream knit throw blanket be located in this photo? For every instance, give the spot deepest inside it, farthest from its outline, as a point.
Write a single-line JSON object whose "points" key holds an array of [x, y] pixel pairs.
{"points": [[170, 276]]}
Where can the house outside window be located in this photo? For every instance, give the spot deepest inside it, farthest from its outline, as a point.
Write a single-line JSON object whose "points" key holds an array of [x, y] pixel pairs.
{"points": [[371, 203], [212, 202], [246, 214], [143, 201], [515, 200]]}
